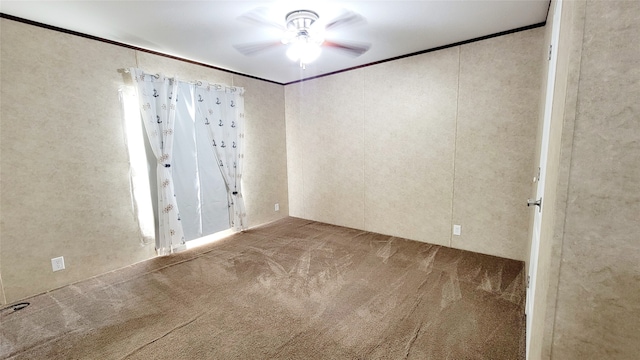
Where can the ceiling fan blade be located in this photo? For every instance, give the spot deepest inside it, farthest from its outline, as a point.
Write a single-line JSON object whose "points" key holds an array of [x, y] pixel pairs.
{"points": [[249, 49], [352, 48], [347, 18], [258, 17]]}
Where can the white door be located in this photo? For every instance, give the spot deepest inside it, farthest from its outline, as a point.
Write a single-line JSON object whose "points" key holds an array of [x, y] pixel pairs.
{"points": [[539, 209]]}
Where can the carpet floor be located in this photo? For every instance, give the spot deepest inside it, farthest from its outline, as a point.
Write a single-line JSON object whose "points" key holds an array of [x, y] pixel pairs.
{"points": [[291, 289]]}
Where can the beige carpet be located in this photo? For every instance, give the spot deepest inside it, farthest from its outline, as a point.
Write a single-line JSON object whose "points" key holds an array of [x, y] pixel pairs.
{"points": [[293, 289]]}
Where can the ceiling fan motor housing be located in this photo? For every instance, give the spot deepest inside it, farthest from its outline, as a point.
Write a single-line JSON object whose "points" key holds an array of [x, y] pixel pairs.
{"points": [[300, 20]]}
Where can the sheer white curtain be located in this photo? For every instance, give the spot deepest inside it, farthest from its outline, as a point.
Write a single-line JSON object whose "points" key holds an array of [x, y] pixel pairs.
{"points": [[157, 99], [199, 186], [140, 187], [185, 164], [221, 110]]}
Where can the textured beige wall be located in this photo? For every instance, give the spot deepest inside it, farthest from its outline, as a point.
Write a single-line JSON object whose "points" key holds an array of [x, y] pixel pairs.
{"points": [[265, 179], [65, 187], [597, 312], [325, 137], [382, 148], [497, 121], [3, 299], [64, 166], [571, 35], [410, 134]]}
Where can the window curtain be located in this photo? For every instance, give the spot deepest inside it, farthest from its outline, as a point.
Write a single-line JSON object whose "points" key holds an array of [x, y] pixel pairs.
{"points": [[199, 186], [157, 99], [141, 200], [221, 110]]}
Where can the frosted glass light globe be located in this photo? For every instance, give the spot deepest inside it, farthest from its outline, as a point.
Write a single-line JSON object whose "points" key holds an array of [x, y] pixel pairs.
{"points": [[303, 51]]}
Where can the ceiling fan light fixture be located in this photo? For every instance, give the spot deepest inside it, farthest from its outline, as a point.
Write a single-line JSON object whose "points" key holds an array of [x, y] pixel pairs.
{"points": [[303, 51], [304, 37], [304, 41]]}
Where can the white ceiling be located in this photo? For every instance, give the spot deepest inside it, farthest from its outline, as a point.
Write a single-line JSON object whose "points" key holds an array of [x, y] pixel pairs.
{"points": [[205, 31]]}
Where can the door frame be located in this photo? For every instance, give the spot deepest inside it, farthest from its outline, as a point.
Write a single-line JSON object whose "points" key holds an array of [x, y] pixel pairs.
{"points": [[541, 178]]}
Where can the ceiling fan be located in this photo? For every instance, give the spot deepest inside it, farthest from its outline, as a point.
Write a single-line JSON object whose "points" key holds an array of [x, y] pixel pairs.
{"points": [[304, 36]]}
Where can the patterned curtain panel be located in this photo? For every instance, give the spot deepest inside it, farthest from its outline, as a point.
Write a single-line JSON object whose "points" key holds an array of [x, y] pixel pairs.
{"points": [[221, 110], [156, 95]]}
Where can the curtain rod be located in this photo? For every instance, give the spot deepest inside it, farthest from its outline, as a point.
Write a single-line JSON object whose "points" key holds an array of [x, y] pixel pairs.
{"points": [[127, 71], [197, 83]]}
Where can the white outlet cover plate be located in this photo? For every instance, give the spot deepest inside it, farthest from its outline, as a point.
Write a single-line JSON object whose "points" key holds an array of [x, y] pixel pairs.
{"points": [[277, 207], [57, 264], [457, 229]]}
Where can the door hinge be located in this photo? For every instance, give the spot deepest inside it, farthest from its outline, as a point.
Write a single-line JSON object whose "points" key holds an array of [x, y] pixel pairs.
{"points": [[528, 280], [550, 47]]}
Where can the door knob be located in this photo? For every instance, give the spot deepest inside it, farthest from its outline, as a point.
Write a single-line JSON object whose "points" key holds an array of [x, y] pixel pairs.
{"points": [[537, 203]]}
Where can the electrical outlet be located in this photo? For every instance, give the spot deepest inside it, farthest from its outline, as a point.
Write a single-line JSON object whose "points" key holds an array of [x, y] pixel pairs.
{"points": [[57, 264], [276, 207], [457, 229]]}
